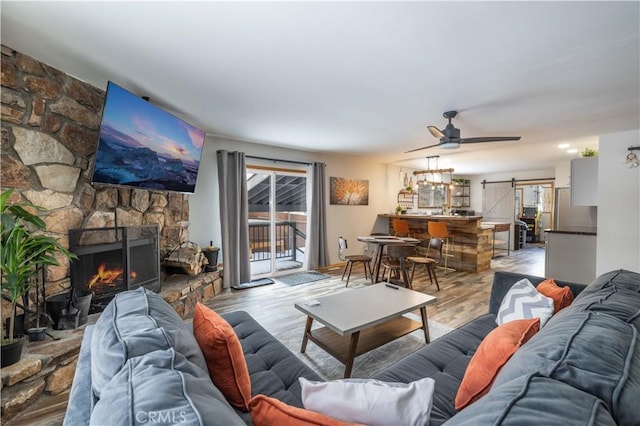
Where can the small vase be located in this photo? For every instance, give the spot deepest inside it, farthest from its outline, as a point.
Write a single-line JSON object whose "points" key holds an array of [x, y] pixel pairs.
{"points": [[12, 352]]}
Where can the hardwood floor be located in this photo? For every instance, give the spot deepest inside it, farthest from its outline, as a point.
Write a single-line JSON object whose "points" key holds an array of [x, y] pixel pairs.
{"points": [[463, 295]]}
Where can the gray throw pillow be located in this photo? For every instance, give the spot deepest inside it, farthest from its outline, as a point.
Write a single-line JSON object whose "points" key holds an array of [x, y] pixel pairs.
{"points": [[523, 301]]}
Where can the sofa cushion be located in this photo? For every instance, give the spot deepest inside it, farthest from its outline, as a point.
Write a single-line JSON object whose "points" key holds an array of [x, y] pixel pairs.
{"points": [[266, 411], [532, 400], [371, 402], [562, 296], [494, 351], [274, 370], [223, 352], [590, 351], [444, 360], [135, 323], [616, 293], [162, 387], [523, 301]]}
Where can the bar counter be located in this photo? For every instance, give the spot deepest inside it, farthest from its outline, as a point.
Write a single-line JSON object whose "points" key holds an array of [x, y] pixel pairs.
{"points": [[471, 248]]}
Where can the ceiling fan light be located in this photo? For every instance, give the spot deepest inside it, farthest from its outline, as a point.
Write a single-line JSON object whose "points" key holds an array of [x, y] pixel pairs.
{"points": [[449, 145]]}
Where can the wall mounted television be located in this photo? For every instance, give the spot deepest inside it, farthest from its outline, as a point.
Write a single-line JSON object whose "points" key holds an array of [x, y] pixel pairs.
{"points": [[141, 145]]}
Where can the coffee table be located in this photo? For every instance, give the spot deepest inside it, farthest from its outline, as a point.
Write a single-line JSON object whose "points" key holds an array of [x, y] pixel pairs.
{"points": [[359, 320]]}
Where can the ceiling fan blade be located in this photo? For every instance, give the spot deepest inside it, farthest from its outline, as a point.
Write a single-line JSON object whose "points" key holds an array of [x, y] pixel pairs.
{"points": [[420, 149], [437, 133], [490, 139]]}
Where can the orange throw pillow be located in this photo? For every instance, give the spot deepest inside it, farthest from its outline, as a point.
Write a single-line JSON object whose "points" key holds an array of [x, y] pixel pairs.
{"points": [[223, 352], [562, 296], [492, 354], [266, 411]]}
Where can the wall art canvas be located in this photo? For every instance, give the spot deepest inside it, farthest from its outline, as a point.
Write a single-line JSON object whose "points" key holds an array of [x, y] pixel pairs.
{"points": [[352, 192]]}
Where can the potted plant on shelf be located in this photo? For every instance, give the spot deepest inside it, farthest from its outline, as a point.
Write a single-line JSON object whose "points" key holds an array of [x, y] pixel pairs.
{"points": [[25, 249]]}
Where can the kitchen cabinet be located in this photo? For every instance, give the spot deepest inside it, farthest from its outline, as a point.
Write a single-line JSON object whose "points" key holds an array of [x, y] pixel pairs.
{"points": [[584, 181], [570, 254]]}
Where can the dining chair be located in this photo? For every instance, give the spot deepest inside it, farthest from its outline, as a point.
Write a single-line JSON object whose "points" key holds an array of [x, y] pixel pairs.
{"points": [[441, 231], [430, 263], [397, 262], [351, 259]]}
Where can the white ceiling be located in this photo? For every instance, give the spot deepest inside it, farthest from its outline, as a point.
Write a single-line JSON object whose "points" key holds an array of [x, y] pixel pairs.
{"points": [[362, 78]]}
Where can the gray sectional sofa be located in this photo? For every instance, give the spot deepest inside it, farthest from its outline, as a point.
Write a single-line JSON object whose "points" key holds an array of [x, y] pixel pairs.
{"points": [[141, 364]]}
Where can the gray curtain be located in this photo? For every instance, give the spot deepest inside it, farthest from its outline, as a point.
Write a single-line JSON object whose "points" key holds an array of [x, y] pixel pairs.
{"points": [[317, 253], [234, 217]]}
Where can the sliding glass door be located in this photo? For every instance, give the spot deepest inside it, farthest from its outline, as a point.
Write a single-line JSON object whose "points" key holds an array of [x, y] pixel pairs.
{"points": [[277, 220]]}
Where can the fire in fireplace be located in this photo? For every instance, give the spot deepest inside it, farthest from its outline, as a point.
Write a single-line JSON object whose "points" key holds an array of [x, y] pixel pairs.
{"points": [[111, 260]]}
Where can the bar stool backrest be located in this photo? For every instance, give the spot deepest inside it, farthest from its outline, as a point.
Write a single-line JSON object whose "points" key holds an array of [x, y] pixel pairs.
{"points": [[438, 230], [400, 227]]}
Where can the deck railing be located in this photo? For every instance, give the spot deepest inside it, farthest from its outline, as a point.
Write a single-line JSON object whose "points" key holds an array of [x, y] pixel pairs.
{"points": [[288, 240]]}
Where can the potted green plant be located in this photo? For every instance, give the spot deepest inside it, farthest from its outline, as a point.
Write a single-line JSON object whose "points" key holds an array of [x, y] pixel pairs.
{"points": [[25, 249], [588, 152]]}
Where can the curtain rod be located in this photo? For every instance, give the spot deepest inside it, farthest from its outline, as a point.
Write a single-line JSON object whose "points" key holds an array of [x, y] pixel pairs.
{"points": [[253, 157], [513, 181]]}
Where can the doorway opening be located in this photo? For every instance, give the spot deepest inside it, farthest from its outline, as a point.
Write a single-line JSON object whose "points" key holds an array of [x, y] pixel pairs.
{"points": [[277, 220], [534, 206], [526, 204]]}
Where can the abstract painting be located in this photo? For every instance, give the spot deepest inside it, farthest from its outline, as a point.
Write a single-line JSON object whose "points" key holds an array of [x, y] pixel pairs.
{"points": [[352, 192]]}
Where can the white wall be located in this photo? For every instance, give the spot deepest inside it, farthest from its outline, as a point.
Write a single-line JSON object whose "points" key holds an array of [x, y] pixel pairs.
{"points": [[346, 221], [563, 174], [476, 183], [618, 241]]}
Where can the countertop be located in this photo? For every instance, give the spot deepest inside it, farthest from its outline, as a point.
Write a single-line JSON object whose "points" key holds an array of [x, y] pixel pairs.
{"points": [[575, 230], [427, 217]]}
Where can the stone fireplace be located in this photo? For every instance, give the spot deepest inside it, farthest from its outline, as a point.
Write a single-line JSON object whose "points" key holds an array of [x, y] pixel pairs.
{"points": [[111, 260], [50, 123]]}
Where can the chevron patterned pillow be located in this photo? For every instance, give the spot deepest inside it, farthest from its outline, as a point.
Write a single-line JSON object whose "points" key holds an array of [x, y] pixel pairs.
{"points": [[523, 301]]}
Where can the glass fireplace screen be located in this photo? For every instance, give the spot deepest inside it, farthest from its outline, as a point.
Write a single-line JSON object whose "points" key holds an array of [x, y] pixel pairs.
{"points": [[111, 260]]}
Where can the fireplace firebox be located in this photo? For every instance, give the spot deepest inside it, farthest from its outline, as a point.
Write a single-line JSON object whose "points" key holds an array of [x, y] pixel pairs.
{"points": [[111, 260]]}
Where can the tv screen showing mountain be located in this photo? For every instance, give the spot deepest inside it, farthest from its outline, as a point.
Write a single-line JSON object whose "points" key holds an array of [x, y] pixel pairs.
{"points": [[142, 145]]}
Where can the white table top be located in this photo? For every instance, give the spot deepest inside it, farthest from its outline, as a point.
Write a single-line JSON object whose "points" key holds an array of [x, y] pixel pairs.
{"points": [[356, 309]]}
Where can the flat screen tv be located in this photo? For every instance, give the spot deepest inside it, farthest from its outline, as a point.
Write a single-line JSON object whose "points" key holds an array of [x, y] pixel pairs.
{"points": [[141, 145]]}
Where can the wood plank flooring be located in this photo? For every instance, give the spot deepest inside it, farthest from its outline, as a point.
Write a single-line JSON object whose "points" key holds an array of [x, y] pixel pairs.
{"points": [[463, 297]]}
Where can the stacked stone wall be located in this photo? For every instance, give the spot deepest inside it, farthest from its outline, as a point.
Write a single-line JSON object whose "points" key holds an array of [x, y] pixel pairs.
{"points": [[50, 124]]}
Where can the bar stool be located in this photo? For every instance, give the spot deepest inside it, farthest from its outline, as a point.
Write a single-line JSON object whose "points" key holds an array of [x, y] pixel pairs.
{"points": [[441, 231], [401, 228], [351, 259]]}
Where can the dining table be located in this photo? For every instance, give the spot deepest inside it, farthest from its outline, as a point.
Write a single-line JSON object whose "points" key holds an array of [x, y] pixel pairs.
{"points": [[380, 241]]}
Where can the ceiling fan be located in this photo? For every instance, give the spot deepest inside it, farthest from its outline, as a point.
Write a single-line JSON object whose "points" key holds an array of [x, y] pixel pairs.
{"points": [[450, 136]]}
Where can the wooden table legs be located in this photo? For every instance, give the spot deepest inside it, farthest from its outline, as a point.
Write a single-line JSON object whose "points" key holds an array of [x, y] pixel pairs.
{"points": [[425, 324], [345, 348], [351, 354], [307, 333]]}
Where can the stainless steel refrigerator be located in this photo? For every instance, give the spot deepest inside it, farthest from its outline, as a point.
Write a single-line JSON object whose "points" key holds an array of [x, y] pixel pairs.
{"points": [[566, 215]]}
